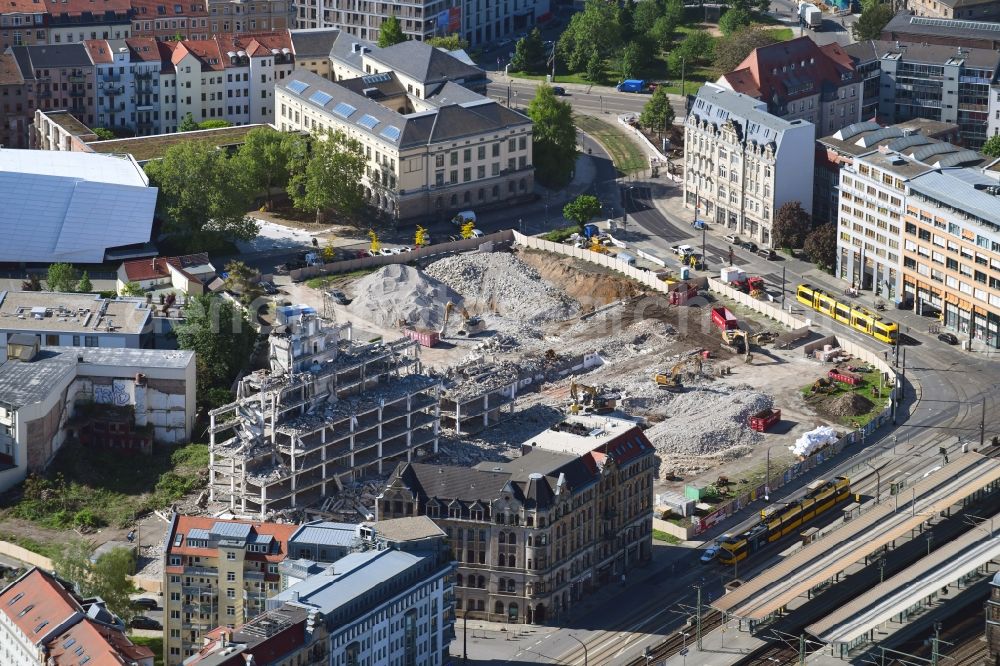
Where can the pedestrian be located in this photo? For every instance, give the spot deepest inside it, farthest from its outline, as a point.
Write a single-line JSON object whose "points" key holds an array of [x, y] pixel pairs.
{"points": [[623, 580], [731, 255], [131, 536]]}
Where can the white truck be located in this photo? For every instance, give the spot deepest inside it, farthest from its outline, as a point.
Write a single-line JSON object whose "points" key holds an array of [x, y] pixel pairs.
{"points": [[811, 16]]}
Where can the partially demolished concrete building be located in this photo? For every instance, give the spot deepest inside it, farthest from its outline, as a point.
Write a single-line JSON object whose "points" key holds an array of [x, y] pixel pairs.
{"points": [[327, 412]]}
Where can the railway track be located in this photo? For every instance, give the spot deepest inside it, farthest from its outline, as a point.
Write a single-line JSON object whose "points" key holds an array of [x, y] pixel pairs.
{"points": [[772, 654], [677, 641]]}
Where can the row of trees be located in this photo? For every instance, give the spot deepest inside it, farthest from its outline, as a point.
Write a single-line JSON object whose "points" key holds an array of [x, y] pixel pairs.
{"points": [[205, 193], [793, 229]]}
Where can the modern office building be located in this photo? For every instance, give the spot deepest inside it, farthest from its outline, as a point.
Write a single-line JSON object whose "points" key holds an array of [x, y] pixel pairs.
{"points": [[741, 163], [217, 573], [906, 27], [800, 80], [533, 536], [944, 83], [430, 152]]}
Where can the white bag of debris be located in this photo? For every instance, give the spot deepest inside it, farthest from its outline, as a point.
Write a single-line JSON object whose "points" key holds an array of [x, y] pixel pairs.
{"points": [[396, 293], [813, 441]]}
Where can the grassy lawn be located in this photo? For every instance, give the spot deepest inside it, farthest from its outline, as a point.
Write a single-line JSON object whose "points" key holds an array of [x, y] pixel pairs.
{"points": [[867, 389], [93, 488], [627, 156], [326, 280], [782, 34], [666, 538], [560, 235], [154, 644]]}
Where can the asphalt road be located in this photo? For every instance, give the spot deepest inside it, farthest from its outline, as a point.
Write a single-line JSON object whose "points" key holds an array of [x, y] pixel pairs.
{"points": [[595, 101]]}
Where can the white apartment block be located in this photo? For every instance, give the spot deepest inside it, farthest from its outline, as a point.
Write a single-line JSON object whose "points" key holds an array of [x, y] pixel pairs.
{"points": [[741, 164], [127, 84], [874, 191]]}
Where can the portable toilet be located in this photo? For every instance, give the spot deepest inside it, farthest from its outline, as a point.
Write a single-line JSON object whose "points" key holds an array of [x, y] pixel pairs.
{"points": [[685, 272]]}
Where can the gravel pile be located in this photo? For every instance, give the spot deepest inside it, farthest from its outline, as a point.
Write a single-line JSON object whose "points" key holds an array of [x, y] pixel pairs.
{"points": [[397, 293], [849, 404], [500, 282], [707, 426]]}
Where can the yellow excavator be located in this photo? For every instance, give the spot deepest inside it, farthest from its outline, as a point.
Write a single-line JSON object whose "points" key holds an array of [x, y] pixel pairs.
{"points": [[470, 324], [589, 399], [738, 342], [670, 381]]}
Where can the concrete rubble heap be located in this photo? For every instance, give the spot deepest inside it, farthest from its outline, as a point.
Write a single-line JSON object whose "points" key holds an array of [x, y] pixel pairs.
{"points": [[327, 412], [397, 293]]}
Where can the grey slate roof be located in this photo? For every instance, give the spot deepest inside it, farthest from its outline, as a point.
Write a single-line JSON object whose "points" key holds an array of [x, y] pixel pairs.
{"points": [[231, 530], [43, 56], [718, 105], [451, 93], [414, 528], [461, 483], [957, 188], [424, 63], [313, 42], [27, 383], [922, 53], [344, 51], [324, 533]]}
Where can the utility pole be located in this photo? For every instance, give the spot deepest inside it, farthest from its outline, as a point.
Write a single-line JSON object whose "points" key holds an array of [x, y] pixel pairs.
{"points": [[802, 648], [697, 630], [465, 638], [704, 255], [935, 647], [982, 425]]}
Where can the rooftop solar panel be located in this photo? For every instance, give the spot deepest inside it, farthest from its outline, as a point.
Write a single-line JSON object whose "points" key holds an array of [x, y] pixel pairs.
{"points": [[296, 86]]}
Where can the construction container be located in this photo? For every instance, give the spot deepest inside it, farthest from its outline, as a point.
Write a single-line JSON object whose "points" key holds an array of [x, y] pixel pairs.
{"points": [[732, 274], [423, 338], [763, 420], [844, 377], [724, 319], [683, 294]]}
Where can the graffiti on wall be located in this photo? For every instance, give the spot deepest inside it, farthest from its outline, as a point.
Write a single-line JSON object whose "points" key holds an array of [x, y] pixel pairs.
{"points": [[119, 393]]}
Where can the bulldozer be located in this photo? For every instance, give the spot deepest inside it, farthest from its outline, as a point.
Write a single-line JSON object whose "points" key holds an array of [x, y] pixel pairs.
{"points": [[588, 399], [823, 385]]}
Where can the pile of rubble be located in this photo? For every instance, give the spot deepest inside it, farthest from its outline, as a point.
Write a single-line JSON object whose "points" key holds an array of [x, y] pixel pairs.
{"points": [[500, 282], [499, 443], [706, 427], [398, 294]]}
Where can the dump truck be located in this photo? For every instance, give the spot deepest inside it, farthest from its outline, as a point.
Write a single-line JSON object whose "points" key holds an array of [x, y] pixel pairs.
{"points": [[763, 420]]}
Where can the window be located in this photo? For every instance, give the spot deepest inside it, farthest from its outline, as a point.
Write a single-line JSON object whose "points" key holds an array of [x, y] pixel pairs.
{"points": [[230, 593], [230, 555], [481, 153], [90, 341], [230, 611]]}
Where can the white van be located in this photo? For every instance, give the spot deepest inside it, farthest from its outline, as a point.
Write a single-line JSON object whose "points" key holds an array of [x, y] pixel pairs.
{"points": [[463, 217]]}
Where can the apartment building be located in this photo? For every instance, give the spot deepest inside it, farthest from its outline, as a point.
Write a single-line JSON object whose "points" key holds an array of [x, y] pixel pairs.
{"points": [[165, 21], [741, 163], [951, 250], [312, 48], [286, 636], [70, 21], [874, 193], [909, 28], [390, 604], [22, 23], [126, 94], [43, 622], [63, 78], [429, 152], [17, 101], [970, 10], [217, 573], [944, 83], [533, 536], [841, 147], [799, 80]]}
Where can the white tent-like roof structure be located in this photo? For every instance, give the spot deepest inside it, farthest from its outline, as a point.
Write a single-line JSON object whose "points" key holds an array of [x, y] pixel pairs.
{"points": [[72, 207]]}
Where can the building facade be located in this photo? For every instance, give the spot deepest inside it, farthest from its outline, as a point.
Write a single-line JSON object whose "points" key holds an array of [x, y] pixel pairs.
{"points": [[22, 23], [906, 27], [532, 537], [17, 101], [217, 573], [799, 80], [77, 20], [970, 10], [741, 163], [63, 78]]}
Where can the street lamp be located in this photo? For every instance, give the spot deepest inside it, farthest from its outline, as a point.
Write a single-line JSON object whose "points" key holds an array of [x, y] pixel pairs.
{"points": [[878, 482], [584, 646], [684, 644]]}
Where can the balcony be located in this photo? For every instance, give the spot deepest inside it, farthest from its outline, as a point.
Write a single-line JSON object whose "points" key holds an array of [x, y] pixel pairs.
{"points": [[44, 93], [111, 78], [113, 90], [77, 78], [77, 93]]}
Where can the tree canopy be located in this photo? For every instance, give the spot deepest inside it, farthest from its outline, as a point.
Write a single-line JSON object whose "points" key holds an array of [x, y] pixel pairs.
{"points": [[733, 50], [992, 146], [214, 123], [873, 18], [265, 158], [594, 30], [821, 246], [330, 177], [222, 338], [390, 32], [84, 286], [187, 124], [61, 277], [104, 134], [582, 209], [107, 578], [450, 42], [734, 19], [791, 226], [202, 193], [657, 114], [553, 138], [529, 53]]}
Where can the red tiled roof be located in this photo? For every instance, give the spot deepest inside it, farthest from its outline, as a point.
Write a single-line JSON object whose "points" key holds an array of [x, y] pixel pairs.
{"points": [[37, 604], [143, 49], [21, 7], [146, 269], [780, 71], [95, 7], [99, 50], [166, 50], [104, 645], [185, 524], [206, 51], [257, 44]]}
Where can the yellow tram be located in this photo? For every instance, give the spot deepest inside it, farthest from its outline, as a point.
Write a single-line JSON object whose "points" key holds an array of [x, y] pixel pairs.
{"points": [[854, 316]]}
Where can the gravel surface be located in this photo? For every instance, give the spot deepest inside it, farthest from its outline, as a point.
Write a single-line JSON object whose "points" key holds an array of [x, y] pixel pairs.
{"points": [[398, 292], [500, 282]]}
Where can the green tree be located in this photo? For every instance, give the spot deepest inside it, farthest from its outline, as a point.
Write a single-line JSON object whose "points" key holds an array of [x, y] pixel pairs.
{"points": [[202, 194], [450, 42], [821, 246], [529, 53], [187, 124], [791, 226], [873, 18], [645, 16], [243, 280], [553, 138], [631, 61], [265, 158], [61, 277], [657, 114], [595, 28], [674, 10], [391, 32], [84, 286], [104, 134], [132, 289], [582, 209], [107, 577], [214, 124], [992, 146], [222, 338], [762, 6], [625, 18], [733, 50], [595, 67], [697, 47], [331, 176], [733, 20], [663, 32]]}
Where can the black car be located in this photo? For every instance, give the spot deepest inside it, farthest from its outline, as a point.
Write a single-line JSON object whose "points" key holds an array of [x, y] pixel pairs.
{"points": [[948, 338], [749, 245], [269, 288], [559, 91], [146, 603], [143, 622]]}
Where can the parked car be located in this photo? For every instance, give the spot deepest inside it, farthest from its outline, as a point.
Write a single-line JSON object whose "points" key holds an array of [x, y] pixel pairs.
{"points": [[559, 91], [402, 250], [338, 297], [268, 288], [143, 622], [948, 338], [767, 253], [749, 245], [733, 239], [386, 252], [709, 555], [145, 603]]}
